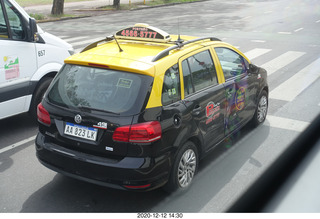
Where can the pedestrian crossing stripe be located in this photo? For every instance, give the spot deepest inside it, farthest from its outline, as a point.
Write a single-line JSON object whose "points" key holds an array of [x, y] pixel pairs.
{"points": [[295, 85], [281, 61], [286, 123], [254, 53]]}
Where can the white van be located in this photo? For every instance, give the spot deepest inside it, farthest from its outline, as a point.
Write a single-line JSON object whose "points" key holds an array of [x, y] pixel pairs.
{"points": [[29, 59]]}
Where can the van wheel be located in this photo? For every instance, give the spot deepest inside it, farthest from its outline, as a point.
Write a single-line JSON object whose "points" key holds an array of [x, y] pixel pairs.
{"points": [[261, 110], [38, 95], [184, 168]]}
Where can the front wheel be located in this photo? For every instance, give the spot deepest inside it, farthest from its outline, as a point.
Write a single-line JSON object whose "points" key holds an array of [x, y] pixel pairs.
{"points": [[261, 110], [184, 168]]}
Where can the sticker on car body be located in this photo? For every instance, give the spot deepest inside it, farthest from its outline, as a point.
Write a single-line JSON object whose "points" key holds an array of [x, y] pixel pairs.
{"points": [[125, 83]]}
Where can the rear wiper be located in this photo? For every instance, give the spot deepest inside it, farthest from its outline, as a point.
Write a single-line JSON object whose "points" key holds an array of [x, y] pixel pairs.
{"points": [[99, 110]]}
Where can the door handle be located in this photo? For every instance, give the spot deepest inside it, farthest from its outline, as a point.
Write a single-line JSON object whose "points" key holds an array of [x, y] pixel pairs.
{"points": [[196, 111]]}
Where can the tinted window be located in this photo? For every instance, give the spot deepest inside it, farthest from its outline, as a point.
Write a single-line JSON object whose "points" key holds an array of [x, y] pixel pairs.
{"points": [[3, 25], [101, 89], [231, 62], [198, 72], [171, 86]]}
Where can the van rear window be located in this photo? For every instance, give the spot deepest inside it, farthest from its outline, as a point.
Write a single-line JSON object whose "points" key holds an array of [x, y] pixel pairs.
{"points": [[99, 89]]}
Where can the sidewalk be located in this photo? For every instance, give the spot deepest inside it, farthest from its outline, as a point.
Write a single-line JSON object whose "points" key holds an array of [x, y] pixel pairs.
{"points": [[82, 8]]}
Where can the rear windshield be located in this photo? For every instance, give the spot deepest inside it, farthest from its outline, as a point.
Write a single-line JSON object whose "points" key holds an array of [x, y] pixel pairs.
{"points": [[103, 90]]}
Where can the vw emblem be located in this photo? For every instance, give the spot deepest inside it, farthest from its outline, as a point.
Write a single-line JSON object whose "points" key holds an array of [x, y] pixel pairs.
{"points": [[78, 118]]}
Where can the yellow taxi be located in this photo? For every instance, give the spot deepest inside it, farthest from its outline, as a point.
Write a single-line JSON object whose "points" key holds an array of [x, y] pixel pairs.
{"points": [[139, 109]]}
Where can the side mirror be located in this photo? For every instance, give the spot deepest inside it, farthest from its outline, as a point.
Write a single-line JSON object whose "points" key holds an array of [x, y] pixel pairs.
{"points": [[253, 69], [34, 37]]}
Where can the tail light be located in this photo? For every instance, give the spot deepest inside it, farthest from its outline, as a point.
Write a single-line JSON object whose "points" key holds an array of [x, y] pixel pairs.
{"points": [[43, 115], [139, 133]]}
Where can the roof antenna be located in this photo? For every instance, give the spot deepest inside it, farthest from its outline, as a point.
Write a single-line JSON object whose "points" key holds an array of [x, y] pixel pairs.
{"points": [[179, 40], [120, 50]]}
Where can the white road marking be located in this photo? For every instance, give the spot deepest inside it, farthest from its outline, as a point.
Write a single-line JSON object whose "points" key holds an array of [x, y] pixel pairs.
{"points": [[18, 144], [258, 41], [86, 42], [292, 87], [254, 53], [288, 124], [299, 29], [217, 25], [287, 33], [281, 61], [245, 18], [318, 21], [75, 39]]}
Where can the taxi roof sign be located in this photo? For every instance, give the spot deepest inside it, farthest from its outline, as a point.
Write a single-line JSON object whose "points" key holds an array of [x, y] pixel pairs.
{"points": [[143, 32]]}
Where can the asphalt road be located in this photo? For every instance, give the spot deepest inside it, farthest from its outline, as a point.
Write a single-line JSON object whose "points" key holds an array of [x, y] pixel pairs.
{"points": [[280, 35]]}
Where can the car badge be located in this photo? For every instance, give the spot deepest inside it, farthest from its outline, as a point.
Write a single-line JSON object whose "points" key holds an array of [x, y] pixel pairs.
{"points": [[78, 118]]}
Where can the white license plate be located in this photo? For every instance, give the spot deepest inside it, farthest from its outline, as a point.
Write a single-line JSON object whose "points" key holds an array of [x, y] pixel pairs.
{"points": [[81, 131]]}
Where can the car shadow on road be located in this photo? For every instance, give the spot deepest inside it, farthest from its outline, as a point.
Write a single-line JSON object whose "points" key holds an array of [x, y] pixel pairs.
{"points": [[68, 195], [64, 194]]}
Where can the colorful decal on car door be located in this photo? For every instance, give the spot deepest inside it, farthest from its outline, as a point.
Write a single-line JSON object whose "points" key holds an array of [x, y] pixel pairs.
{"points": [[11, 67], [240, 98], [212, 111]]}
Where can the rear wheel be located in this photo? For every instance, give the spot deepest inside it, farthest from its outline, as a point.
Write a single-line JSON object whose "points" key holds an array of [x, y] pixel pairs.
{"points": [[184, 168], [261, 110]]}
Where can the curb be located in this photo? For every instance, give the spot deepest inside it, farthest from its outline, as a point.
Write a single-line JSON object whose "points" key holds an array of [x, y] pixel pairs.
{"points": [[62, 19]]}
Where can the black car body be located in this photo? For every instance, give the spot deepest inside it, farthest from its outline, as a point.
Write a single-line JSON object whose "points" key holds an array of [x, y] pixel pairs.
{"points": [[138, 113]]}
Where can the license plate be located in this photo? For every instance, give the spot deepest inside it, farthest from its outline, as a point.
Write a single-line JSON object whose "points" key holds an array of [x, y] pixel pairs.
{"points": [[81, 131]]}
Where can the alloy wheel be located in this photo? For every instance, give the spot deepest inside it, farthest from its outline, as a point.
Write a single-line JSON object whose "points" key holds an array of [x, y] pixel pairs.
{"points": [[262, 109], [187, 168]]}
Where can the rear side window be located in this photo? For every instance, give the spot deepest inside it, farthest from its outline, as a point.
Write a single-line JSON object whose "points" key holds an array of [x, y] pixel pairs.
{"points": [[198, 72], [99, 89], [171, 86]]}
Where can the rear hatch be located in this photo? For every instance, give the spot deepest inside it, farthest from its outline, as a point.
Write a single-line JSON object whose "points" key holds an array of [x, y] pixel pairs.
{"points": [[86, 105]]}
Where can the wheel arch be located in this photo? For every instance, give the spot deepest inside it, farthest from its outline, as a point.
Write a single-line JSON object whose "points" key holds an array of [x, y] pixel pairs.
{"points": [[196, 141], [38, 92], [38, 83]]}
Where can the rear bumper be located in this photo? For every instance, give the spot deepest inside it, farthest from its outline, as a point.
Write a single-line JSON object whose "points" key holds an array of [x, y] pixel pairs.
{"points": [[128, 173]]}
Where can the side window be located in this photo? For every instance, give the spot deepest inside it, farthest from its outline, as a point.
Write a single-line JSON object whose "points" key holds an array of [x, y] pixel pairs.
{"points": [[16, 22], [3, 25], [232, 63], [198, 72], [171, 86]]}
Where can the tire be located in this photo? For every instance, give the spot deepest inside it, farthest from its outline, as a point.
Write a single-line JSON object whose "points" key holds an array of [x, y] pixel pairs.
{"points": [[38, 95], [184, 168], [261, 109]]}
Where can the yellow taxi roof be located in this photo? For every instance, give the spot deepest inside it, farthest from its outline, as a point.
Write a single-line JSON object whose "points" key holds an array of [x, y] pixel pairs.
{"points": [[136, 55]]}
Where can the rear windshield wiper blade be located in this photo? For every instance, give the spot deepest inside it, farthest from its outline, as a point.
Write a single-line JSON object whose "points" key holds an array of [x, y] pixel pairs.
{"points": [[99, 110]]}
